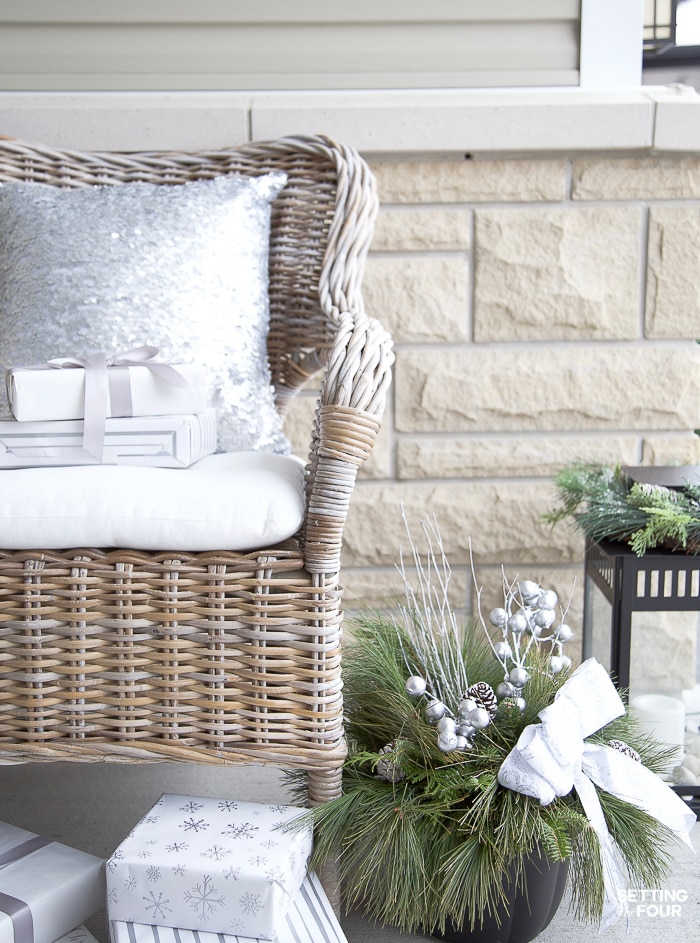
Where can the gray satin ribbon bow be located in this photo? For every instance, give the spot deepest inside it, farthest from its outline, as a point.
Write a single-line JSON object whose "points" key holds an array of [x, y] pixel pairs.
{"points": [[18, 910], [107, 379]]}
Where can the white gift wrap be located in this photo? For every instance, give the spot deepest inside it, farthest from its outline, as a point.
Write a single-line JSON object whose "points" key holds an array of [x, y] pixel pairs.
{"points": [[159, 441], [48, 890], [42, 393], [210, 864], [79, 935], [310, 919]]}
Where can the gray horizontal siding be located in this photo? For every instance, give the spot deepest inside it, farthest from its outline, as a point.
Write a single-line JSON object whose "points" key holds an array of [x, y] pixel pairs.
{"points": [[286, 44]]}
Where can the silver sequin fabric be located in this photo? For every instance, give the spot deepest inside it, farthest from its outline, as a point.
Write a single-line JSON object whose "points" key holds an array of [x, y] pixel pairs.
{"points": [[182, 267]]}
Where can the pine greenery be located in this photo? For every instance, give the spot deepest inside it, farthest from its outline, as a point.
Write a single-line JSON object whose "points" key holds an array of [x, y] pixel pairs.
{"points": [[436, 844], [606, 505]]}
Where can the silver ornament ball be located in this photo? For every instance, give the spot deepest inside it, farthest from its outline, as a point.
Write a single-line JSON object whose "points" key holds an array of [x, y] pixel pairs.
{"points": [[465, 706], [502, 650], [565, 633], [446, 724], [529, 591], [447, 742], [548, 599], [434, 711], [544, 618], [517, 623], [416, 686], [465, 730], [498, 617], [463, 743], [518, 677], [505, 689], [556, 664], [479, 718]]}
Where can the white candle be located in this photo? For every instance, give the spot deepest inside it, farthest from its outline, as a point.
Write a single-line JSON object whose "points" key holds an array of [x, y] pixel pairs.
{"points": [[691, 699], [662, 717]]}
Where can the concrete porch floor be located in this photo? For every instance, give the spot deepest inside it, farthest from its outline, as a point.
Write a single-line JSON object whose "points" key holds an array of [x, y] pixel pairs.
{"points": [[93, 806]]}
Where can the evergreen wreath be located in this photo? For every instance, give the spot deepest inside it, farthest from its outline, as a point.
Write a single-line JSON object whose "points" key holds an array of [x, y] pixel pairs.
{"points": [[422, 836], [604, 504]]}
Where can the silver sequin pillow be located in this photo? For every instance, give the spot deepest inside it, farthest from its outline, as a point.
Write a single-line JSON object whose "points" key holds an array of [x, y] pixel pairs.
{"points": [[182, 267]]}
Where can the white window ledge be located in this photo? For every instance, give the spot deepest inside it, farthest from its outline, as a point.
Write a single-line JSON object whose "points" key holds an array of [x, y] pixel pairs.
{"points": [[490, 122]]}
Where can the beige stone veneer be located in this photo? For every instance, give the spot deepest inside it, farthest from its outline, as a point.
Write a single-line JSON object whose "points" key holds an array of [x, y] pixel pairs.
{"points": [[544, 311]]}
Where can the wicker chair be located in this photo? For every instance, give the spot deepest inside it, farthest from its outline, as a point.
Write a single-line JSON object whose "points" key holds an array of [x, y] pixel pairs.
{"points": [[217, 657]]}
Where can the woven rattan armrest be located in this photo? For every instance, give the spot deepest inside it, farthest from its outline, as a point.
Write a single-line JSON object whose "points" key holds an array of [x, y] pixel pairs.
{"points": [[352, 401]]}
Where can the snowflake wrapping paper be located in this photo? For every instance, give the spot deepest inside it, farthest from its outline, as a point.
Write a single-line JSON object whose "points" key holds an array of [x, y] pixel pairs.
{"points": [[46, 888], [210, 864], [310, 919], [79, 935]]}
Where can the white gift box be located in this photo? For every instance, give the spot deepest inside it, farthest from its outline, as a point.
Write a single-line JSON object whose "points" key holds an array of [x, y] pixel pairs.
{"points": [[79, 935], [162, 441], [44, 393], [210, 864], [310, 919], [46, 888]]}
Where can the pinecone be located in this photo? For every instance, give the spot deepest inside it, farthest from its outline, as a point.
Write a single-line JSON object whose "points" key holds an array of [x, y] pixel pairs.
{"points": [[483, 694], [386, 768], [626, 750]]}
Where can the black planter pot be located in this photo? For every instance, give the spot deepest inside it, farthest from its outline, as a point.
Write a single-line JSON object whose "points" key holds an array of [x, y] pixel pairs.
{"points": [[531, 907]]}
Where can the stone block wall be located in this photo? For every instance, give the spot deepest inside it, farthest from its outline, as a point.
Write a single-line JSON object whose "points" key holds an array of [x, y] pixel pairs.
{"points": [[544, 311]]}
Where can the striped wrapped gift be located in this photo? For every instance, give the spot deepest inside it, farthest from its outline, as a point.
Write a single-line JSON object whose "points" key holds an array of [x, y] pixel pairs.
{"points": [[310, 919], [79, 935]]}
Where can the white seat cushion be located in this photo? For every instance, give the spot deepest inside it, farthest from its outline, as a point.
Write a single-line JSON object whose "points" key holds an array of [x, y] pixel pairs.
{"points": [[229, 501]]}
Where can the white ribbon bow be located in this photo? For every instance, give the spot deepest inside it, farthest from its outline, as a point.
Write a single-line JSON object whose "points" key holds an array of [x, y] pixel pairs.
{"points": [[550, 759], [102, 383]]}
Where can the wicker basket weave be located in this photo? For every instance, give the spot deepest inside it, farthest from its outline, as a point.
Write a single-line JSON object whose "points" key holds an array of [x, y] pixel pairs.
{"points": [[218, 657]]}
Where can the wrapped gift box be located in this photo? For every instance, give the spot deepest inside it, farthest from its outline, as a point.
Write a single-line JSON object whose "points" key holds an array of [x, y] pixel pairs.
{"points": [[79, 935], [162, 441], [46, 393], [310, 919], [210, 864], [46, 888]]}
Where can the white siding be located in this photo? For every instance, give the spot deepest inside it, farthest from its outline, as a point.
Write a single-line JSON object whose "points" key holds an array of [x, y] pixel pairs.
{"points": [[286, 44]]}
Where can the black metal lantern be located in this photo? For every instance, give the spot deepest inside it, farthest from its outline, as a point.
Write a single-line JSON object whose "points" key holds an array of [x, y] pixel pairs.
{"points": [[659, 581]]}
